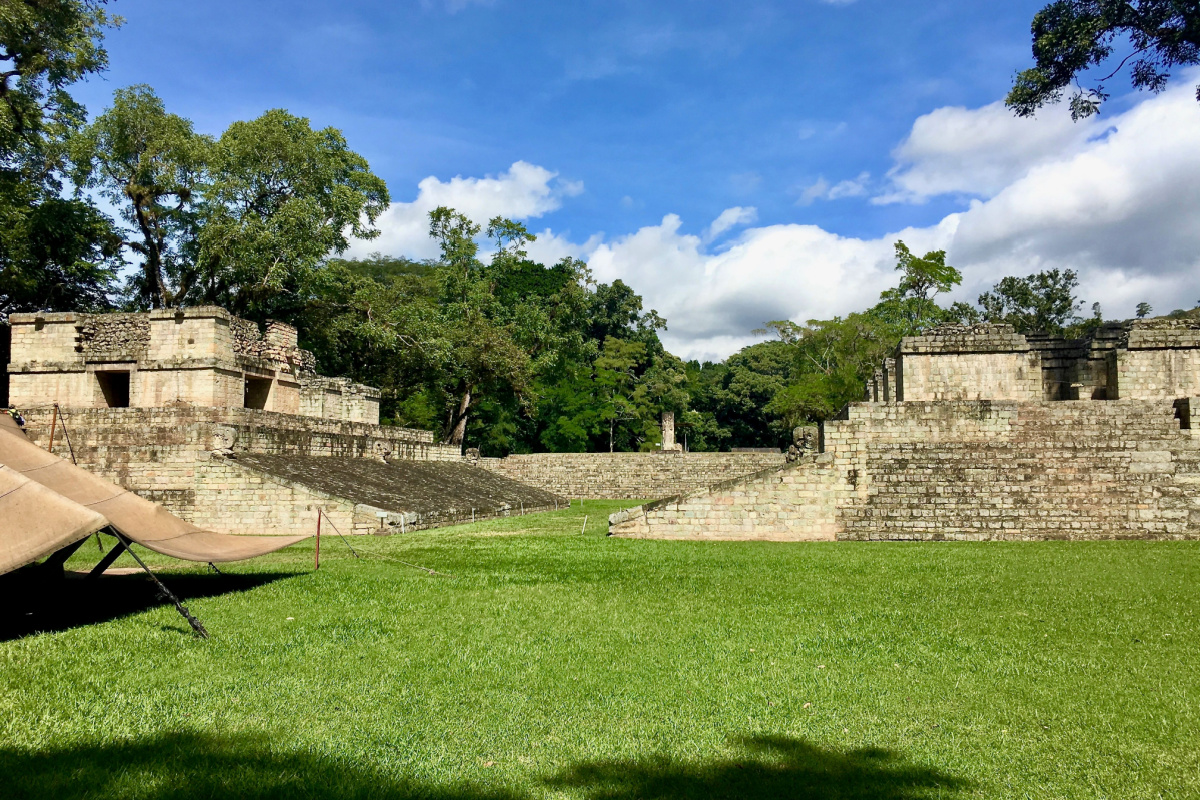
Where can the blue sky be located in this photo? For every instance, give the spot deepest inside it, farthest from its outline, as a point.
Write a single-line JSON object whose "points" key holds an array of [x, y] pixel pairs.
{"points": [[640, 121]]}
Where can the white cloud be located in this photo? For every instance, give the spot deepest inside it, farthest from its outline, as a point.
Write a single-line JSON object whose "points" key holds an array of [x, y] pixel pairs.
{"points": [[977, 152], [1115, 201], [822, 190], [850, 188], [713, 300], [729, 219], [1121, 210], [818, 190], [526, 191]]}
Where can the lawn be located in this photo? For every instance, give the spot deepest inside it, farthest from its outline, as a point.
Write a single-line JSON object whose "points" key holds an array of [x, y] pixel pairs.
{"points": [[552, 662]]}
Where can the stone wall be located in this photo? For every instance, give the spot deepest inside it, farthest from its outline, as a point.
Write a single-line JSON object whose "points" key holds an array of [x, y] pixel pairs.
{"points": [[338, 398], [1159, 359], [629, 475], [162, 453], [199, 357], [962, 470], [5, 346], [798, 503], [228, 498], [980, 362]]}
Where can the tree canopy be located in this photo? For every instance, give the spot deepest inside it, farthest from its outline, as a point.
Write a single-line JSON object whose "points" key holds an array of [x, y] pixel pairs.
{"points": [[55, 253], [1072, 37]]}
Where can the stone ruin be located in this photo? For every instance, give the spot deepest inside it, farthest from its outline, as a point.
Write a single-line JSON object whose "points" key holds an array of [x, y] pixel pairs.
{"points": [[231, 428], [981, 433], [198, 357]]}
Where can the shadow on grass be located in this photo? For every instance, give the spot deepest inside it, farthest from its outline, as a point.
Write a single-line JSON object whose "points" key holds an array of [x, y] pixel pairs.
{"points": [[37, 602], [191, 766], [188, 766], [773, 768]]}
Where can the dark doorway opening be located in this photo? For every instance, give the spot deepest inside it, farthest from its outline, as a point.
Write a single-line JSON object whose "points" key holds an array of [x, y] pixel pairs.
{"points": [[115, 388], [257, 392]]}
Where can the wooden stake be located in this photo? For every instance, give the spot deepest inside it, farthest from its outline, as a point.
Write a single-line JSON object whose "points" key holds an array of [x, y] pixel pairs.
{"points": [[584, 528], [317, 554], [53, 424]]}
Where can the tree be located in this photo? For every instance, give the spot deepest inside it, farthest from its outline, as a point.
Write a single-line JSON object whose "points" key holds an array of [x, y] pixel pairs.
{"points": [[1143, 310], [278, 199], [1044, 302], [55, 253], [45, 46], [150, 164], [1072, 36], [923, 279]]}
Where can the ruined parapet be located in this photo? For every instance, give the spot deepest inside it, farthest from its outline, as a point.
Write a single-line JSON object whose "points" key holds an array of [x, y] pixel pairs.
{"points": [[968, 362], [203, 357], [338, 398], [1157, 359]]}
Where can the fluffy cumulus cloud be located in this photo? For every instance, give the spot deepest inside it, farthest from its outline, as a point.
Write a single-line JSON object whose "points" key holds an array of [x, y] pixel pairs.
{"points": [[713, 300], [1115, 200], [526, 191], [1119, 208], [978, 152]]}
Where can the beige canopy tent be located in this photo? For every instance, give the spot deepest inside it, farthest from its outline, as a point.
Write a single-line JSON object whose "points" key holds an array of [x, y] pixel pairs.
{"points": [[35, 522], [48, 506], [139, 520]]}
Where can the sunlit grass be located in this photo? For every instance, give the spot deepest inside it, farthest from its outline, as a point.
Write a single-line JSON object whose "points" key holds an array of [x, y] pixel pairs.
{"points": [[560, 663]]}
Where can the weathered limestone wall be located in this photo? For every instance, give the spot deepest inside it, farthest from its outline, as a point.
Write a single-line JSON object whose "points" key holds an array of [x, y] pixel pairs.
{"points": [[162, 453], [1159, 360], [196, 357], [964, 470], [231, 499], [629, 475], [5, 347], [338, 398], [797, 503], [981, 362]]}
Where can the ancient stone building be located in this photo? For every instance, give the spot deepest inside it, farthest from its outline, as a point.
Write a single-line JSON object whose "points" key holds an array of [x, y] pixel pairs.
{"points": [[231, 428], [981, 433], [199, 357]]}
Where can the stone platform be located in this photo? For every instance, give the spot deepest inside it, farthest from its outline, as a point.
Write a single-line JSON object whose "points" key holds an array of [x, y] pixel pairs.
{"points": [[961, 470]]}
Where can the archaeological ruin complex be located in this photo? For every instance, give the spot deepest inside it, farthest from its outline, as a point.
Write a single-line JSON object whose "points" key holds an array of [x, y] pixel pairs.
{"points": [[981, 433], [232, 429], [965, 433]]}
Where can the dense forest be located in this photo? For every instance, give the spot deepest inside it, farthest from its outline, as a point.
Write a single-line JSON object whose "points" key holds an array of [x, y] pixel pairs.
{"points": [[484, 345]]}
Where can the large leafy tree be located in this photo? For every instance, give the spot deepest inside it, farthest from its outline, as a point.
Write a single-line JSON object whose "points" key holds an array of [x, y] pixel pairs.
{"points": [[278, 199], [55, 253], [1071, 37], [922, 279], [1043, 302], [151, 165]]}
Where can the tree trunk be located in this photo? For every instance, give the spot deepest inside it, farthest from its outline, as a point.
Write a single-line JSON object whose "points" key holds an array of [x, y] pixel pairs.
{"points": [[155, 285], [458, 429]]}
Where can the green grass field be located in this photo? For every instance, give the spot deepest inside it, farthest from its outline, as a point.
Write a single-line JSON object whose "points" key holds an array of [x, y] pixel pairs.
{"points": [[555, 663]]}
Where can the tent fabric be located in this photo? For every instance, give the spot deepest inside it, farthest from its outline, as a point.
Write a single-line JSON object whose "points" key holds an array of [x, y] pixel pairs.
{"points": [[139, 520], [36, 522]]}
